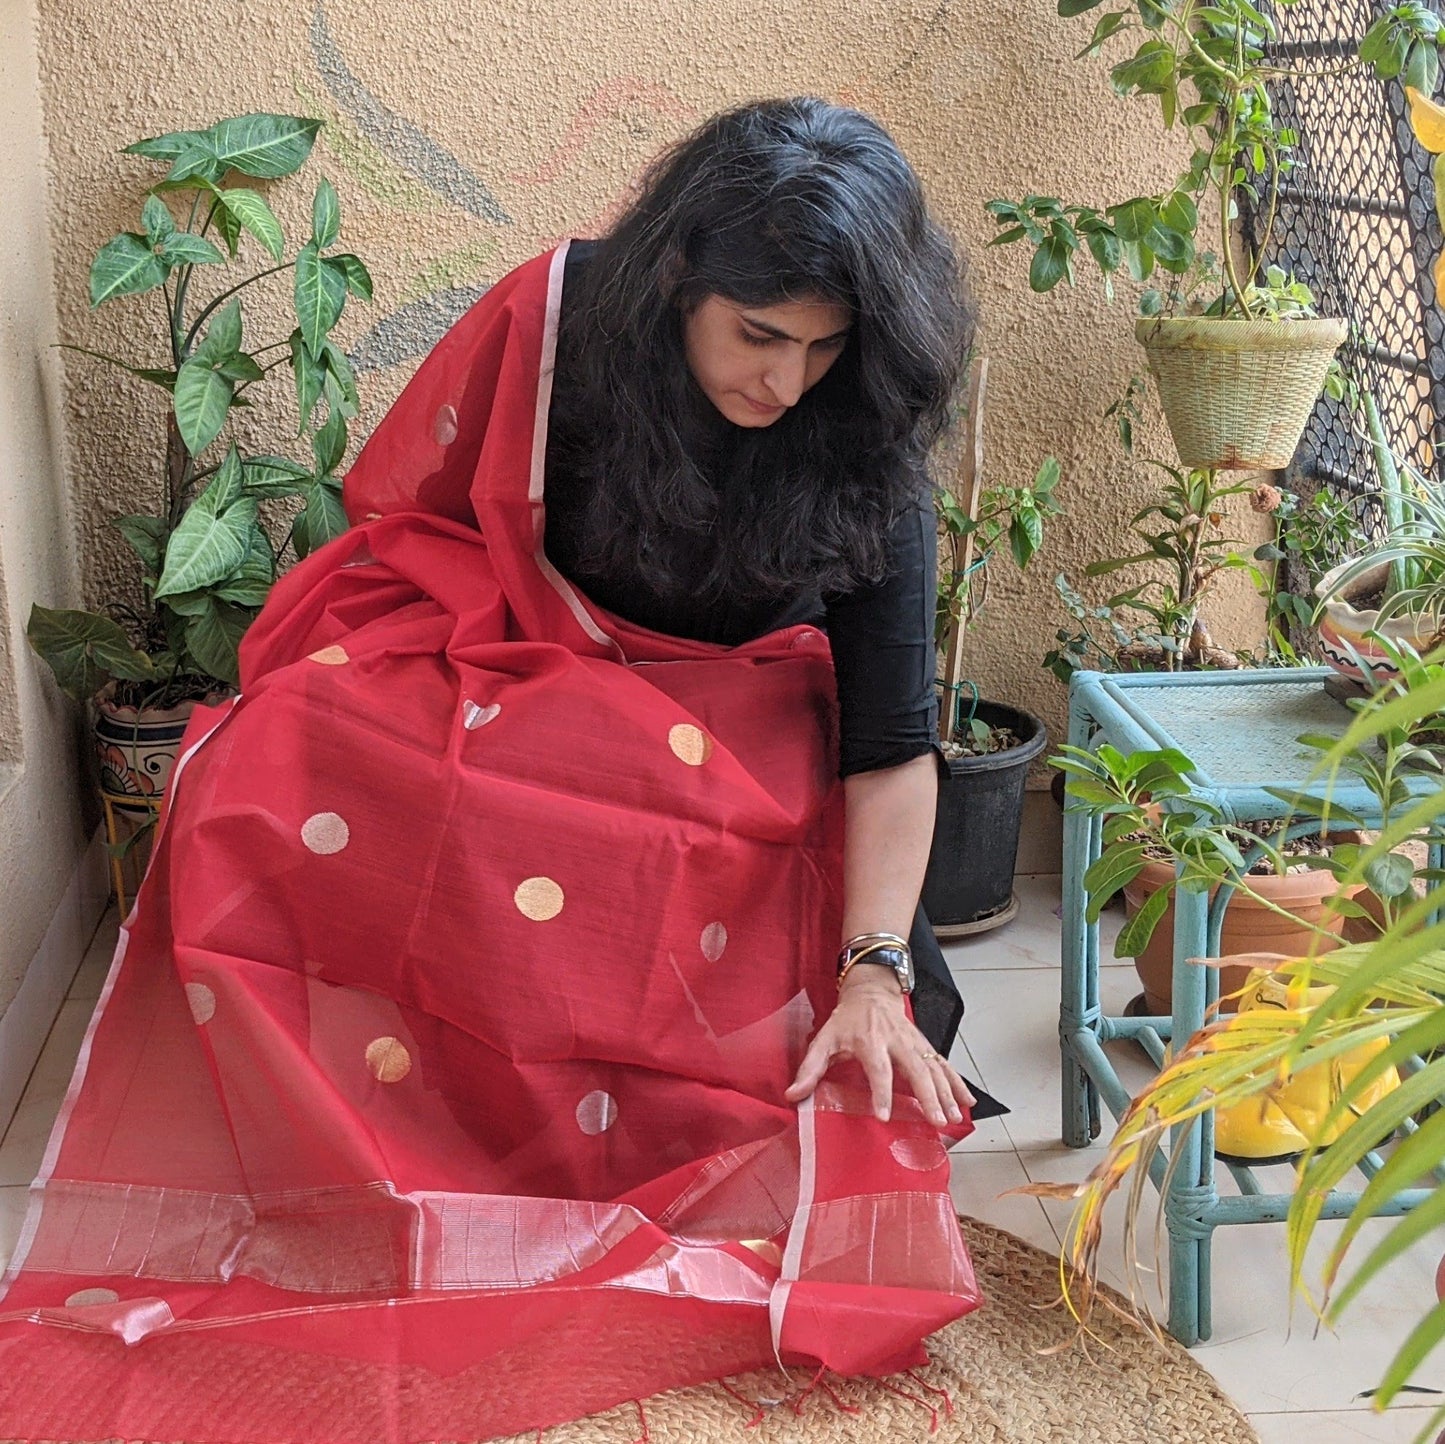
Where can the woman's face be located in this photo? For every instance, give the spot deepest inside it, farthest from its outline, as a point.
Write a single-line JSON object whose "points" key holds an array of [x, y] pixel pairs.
{"points": [[754, 362]]}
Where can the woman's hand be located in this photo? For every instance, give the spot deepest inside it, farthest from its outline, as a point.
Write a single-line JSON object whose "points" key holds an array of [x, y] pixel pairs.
{"points": [[870, 1026]]}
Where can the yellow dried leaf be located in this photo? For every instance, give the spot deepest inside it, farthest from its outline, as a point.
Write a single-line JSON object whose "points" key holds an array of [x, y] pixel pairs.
{"points": [[1439, 274], [1427, 120]]}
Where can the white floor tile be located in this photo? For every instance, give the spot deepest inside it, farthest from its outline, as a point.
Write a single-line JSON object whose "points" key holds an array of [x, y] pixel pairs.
{"points": [[13, 1201], [981, 1189], [1395, 1426], [1031, 940], [23, 1146], [90, 978]]}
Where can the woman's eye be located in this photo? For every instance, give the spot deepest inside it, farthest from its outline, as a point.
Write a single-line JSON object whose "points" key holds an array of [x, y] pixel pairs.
{"points": [[753, 340]]}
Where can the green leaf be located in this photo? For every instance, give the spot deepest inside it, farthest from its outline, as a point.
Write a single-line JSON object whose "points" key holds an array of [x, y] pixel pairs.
{"points": [[320, 295], [157, 220], [125, 266], [84, 650], [213, 637], [211, 542], [265, 146], [223, 335], [202, 400], [322, 519], [325, 215], [1050, 263], [341, 389], [353, 272], [241, 367], [1390, 875], [147, 536], [227, 486], [197, 163], [329, 444], [228, 227], [1422, 70], [247, 208], [166, 379], [252, 582], [1026, 535], [1114, 870], [184, 249], [273, 476], [165, 147], [309, 375], [1077, 7], [1134, 936]]}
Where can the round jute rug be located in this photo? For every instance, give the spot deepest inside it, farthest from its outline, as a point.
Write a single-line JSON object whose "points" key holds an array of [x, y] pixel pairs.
{"points": [[999, 1376]]}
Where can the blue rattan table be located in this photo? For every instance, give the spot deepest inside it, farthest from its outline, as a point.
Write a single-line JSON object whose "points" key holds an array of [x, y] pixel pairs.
{"points": [[1240, 730]]}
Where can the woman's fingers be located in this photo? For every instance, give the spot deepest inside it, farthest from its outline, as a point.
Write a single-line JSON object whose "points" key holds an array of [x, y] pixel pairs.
{"points": [[810, 1071], [961, 1093], [878, 1066], [922, 1079]]}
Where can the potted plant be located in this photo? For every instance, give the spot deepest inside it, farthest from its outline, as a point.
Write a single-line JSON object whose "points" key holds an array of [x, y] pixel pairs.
{"points": [[1178, 551], [206, 551], [1394, 593], [1380, 1002], [1239, 369], [988, 746], [1283, 891]]}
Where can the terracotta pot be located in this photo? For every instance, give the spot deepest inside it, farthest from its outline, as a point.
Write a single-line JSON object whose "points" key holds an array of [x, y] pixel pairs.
{"points": [[1249, 928], [136, 749], [1344, 627]]}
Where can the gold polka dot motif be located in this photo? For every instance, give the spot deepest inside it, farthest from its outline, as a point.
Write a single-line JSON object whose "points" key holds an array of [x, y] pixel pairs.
{"points": [[88, 1298], [325, 833], [388, 1060], [539, 898], [690, 744], [330, 656]]}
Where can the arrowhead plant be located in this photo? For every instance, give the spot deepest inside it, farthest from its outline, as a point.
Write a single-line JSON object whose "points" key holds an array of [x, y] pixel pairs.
{"points": [[206, 554]]}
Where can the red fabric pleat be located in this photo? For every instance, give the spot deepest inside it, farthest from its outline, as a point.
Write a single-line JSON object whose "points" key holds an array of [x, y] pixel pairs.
{"points": [[436, 1090]]}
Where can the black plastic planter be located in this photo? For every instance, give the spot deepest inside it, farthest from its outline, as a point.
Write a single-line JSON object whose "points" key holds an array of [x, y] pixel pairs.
{"points": [[970, 877]]}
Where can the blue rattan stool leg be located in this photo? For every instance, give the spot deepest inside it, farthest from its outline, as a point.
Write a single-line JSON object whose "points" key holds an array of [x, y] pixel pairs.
{"points": [[1187, 1202], [1080, 1103]]}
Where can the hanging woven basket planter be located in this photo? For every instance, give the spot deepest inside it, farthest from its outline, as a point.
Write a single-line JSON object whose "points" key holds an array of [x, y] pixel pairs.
{"points": [[1237, 394]]}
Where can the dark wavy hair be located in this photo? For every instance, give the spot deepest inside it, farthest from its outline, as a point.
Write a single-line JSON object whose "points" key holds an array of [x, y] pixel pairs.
{"points": [[774, 201]]}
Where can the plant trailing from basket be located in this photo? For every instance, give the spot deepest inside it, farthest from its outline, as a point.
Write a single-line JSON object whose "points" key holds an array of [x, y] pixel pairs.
{"points": [[1208, 67], [1388, 990], [207, 560]]}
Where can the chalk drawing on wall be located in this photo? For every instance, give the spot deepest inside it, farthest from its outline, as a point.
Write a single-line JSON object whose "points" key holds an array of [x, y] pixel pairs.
{"points": [[395, 162]]}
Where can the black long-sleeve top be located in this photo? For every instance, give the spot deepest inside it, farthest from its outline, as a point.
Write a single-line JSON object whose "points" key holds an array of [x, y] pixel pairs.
{"points": [[881, 633]]}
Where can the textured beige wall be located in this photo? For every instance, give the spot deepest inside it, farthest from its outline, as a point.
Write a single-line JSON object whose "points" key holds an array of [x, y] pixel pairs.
{"points": [[464, 137], [40, 827]]}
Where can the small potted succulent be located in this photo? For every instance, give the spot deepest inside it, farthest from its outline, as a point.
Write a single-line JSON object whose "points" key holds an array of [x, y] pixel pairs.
{"points": [[206, 551], [987, 745], [1239, 354]]}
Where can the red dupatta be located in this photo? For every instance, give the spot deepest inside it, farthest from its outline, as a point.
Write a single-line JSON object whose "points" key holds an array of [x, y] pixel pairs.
{"points": [[436, 1088]]}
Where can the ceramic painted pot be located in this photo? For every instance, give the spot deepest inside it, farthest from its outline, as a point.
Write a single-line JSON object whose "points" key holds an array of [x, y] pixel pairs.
{"points": [[1346, 631], [137, 750]]}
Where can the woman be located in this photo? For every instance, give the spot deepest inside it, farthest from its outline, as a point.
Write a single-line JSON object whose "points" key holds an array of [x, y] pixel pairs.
{"points": [[454, 1076]]}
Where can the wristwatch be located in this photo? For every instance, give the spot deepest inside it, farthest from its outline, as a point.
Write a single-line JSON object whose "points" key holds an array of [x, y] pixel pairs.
{"points": [[884, 949]]}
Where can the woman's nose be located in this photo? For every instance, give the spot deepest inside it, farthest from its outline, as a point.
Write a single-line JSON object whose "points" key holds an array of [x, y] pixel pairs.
{"points": [[787, 378]]}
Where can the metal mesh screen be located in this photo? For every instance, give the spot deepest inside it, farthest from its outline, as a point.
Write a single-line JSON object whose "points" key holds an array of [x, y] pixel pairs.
{"points": [[1357, 222]]}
